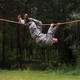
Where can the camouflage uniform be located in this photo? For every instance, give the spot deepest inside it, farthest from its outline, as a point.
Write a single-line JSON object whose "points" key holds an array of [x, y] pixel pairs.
{"points": [[36, 32]]}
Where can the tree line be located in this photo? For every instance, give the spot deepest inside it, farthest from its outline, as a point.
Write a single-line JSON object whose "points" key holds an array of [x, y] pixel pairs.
{"points": [[18, 50]]}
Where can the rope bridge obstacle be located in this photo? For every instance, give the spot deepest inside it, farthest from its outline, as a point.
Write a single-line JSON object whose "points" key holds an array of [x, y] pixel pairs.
{"points": [[62, 23]]}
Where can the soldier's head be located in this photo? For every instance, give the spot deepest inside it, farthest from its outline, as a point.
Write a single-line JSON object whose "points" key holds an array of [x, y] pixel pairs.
{"points": [[26, 16]]}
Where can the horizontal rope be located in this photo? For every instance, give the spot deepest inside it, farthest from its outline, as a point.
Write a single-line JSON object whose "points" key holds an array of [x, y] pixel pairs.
{"points": [[10, 21], [69, 22], [62, 23]]}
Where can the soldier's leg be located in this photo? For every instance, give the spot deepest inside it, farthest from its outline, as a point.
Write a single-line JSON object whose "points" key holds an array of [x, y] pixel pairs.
{"points": [[52, 30], [51, 34]]}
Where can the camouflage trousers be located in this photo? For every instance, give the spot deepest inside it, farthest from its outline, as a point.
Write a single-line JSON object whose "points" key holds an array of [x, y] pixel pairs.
{"points": [[47, 38]]}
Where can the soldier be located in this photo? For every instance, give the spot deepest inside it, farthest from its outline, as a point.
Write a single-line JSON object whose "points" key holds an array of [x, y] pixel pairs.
{"points": [[35, 27]]}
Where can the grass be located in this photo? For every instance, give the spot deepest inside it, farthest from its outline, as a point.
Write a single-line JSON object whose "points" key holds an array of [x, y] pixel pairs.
{"points": [[36, 75]]}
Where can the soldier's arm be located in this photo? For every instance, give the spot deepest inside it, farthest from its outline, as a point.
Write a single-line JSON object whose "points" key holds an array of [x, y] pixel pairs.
{"points": [[22, 21], [36, 21]]}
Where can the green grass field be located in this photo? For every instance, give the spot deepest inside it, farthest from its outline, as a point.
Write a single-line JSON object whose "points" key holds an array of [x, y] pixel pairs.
{"points": [[36, 75]]}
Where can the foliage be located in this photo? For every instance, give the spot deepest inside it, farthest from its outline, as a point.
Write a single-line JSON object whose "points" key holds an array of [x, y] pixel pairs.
{"points": [[18, 50]]}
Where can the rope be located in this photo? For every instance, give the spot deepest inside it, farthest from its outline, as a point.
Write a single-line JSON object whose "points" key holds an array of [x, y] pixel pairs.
{"points": [[69, 22], [5, 20]]}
